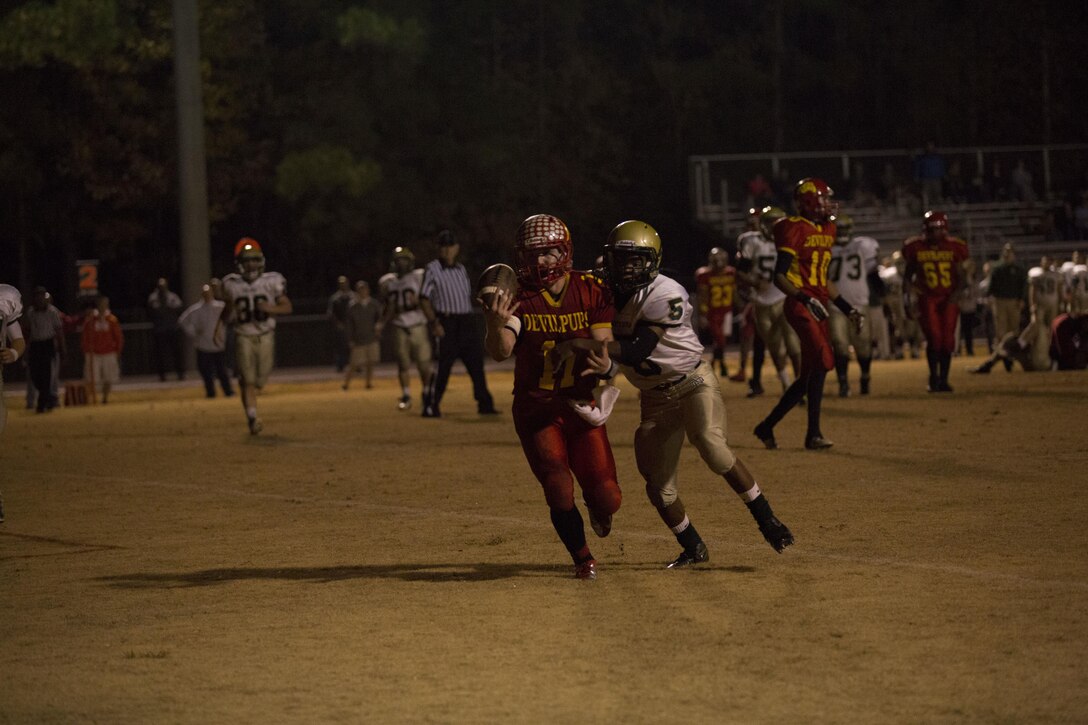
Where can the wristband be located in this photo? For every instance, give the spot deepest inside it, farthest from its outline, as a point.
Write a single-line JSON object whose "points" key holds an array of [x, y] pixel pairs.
{"points": [[14, 352], [613, 368], [843, 305]]}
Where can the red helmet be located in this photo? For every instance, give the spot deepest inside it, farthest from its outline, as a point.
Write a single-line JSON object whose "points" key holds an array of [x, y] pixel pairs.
{"points": [[538, 235], [935, 225], [813, 199], [249, 258]]}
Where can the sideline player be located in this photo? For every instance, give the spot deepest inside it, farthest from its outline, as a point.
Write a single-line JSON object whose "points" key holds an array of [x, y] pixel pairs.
{"points": [[400, 288], [253, 299], [554, 304], [804, 245], [12, 347], [716, 289], [854, 271], [660, 354], [936, 268], [755, 264]]}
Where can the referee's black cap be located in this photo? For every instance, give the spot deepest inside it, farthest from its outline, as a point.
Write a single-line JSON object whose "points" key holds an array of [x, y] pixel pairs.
{"points": [[446, 238]]}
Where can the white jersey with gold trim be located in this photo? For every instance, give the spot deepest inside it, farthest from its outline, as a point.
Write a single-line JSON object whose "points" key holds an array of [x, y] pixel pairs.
{"points": [[663, 303], [762, 253], [403, 294], [245, 296], [1048, 285], [851, 264]]}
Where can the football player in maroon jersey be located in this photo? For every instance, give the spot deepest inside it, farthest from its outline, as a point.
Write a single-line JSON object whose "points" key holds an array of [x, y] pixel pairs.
{"points": [[937, 267], [553, 304], [804, 245]]}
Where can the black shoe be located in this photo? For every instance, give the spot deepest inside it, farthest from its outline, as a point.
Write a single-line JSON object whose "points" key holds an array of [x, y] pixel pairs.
{"points": [[932, 387], [765, 433], [980, 370], [865, 386], [776, 533], [754, 389], [688, 558], [844, 390], [817, 443], [1008, 365], [601, 525], [404, 403], [431, 411], [487, 411], [944, 387]]}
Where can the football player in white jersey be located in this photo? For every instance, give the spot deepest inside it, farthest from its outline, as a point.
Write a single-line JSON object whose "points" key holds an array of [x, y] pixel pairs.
{"points": [[253, 299], [660, 354], [12, 346], [756, 255], [854, 270], [400, 291]]}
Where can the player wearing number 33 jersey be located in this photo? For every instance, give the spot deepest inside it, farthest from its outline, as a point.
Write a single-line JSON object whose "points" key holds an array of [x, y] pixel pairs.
{"points": [[660, 354]]}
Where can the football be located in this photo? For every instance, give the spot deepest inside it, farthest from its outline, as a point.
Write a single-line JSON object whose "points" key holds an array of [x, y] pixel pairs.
{"points": [[494, 278]]}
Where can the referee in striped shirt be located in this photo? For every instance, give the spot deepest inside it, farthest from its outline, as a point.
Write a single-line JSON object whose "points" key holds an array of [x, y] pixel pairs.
{"points": [[446, 299]]}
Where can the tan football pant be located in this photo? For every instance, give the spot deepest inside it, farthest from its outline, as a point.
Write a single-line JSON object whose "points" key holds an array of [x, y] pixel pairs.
{"points": [[844, 334], [254, 356], [698, 413], [1006, 316], [775, 331], [413, 344]]}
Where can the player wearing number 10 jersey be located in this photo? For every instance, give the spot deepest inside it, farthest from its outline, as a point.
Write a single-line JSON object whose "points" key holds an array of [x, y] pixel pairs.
{"points": [[935, 270], [555, 304], [253, 298], [804, 245]]}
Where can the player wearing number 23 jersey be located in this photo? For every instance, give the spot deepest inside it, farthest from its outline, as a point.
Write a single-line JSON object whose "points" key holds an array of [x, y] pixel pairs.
{"points": [[935, 271], [555, 304]]}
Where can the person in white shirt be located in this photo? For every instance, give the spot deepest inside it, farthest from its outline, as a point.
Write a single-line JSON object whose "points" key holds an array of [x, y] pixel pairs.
{"points": [[199, 322], [660, 354]]}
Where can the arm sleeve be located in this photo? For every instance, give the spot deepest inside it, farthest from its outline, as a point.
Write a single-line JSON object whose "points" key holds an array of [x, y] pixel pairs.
{"points": [[784, 261], [634, 350]]}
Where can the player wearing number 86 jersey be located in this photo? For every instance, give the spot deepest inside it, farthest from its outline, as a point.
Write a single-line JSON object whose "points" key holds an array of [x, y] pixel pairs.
{"points": [[253, 298]]}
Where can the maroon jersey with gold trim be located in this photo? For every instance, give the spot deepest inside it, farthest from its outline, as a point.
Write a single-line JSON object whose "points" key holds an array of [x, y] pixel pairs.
{"points": [[720, 287], [810, 246], [936, 267], [545, 321]]}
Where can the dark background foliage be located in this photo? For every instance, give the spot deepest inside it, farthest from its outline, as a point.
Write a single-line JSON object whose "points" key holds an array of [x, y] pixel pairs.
{"points": [[337, 130]]}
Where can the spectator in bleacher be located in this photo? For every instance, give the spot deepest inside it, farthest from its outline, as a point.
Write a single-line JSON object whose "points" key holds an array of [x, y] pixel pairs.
{"points": [[1008, 292], [1080, 217], [996, 183], [955, 186], [760, 193], [929, 172], [1021, 183]]}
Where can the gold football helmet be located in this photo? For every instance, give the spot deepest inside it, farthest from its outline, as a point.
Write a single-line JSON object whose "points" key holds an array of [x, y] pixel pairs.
{"points": [[770, 215], [632, 256], [403, 261], [844, 228]]}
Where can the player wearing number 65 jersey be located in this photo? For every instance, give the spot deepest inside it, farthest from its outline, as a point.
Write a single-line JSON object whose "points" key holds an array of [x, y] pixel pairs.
{"points": [[253, 298], [804, 254], [936, 268], [660, 354], [555, 304]]}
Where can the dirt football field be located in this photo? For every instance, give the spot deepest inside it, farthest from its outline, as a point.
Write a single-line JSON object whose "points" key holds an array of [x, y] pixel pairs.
{"points": [[356, 564]]}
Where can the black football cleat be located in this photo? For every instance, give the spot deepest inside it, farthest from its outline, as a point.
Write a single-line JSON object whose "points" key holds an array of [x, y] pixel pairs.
{"points": [[404, 402], [754, 389], [817, 443], [601, 525], [689, 558], [776, 533], [844, 390], [765, 433], [944, 387], [865, 386]]}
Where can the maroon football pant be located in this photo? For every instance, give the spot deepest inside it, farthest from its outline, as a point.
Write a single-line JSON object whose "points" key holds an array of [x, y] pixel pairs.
{"points": [[817, 355], [937, 317], [560, 446]]}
